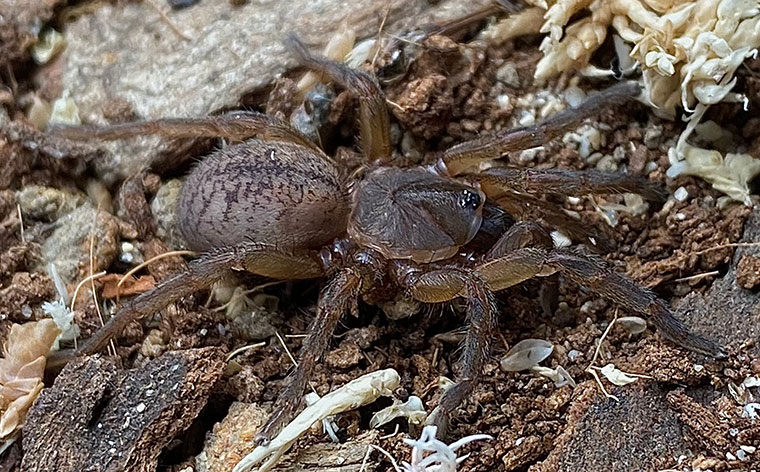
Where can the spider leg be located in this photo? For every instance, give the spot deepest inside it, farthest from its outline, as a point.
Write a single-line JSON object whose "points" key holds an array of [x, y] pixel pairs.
{"points": [[234, 126], [519, 235], [340, 295], [530, 207], [526, 234], [525, 263], [566, 182], [374, 122], [445, 284], [468, 154], [200, 274]]}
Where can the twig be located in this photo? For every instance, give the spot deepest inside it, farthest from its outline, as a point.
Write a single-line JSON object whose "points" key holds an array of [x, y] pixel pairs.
{"points": [[697, 276], [384, 452], [21, 222], [379, 33], [292, 359], [111, 344], [723, 246], [243, 349], [84, 281], [604, 335], [590, 368], [601, 386]]}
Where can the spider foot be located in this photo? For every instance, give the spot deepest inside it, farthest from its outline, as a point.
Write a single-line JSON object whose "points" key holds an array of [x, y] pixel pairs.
{"points": [[280, 417], [439, 419]]}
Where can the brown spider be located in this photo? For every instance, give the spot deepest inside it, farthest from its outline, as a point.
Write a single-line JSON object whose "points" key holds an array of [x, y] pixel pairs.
{"points": [[278, 206]]}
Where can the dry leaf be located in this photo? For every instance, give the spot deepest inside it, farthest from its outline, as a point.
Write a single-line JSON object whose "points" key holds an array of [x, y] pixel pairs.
{"points": [[633, 324], [412, 409], [21, 370], [526, 354], [131, 286], [617, 377], [559, 376]]}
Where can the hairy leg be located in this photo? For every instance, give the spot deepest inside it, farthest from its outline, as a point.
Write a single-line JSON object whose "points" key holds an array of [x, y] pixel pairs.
{"points": [[469, 154], [200, 274], [567, 182], [445, 284], [340, 295], [235, 126], [525, 263], [374, 122], [530, 234], [531, 208]]}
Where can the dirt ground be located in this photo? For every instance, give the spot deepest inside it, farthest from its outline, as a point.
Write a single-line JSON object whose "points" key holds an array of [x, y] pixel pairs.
{"points": [[87, 208]]}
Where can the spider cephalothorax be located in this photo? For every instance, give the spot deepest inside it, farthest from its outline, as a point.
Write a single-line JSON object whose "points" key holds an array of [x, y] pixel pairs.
{"points": [[278, 206]]}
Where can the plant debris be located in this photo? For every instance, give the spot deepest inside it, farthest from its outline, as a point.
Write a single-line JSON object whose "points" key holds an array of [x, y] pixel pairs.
{"points": [[21, 370], [358, 392], [526, 354]]}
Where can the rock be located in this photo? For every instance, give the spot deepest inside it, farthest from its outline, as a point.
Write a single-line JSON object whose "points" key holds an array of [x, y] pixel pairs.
{"points": [[22, 299], [69, 245], [230, 439], [748, 272], [47, 203], [507, 73], [106, 419], [20, 26], [233, 51], [164, 209], [345, 356]]}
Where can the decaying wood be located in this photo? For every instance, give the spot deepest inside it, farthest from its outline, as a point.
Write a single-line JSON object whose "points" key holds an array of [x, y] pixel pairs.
{"points": [[97, 417]]}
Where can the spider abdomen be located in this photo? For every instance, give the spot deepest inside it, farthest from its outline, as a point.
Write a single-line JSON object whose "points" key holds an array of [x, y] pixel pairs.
{"points": [[269, 192]]}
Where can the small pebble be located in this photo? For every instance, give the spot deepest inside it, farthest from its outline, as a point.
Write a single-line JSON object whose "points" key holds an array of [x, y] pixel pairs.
{"points": [[529, 155], [681, 194], [140, 408], [503, 102], [574, 96], [653, 137], [507, 74], [607, 162], [527, 118], [650, 167]]}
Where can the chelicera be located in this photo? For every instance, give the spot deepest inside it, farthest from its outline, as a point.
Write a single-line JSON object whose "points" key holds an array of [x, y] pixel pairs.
{"points": [[277, 206]]}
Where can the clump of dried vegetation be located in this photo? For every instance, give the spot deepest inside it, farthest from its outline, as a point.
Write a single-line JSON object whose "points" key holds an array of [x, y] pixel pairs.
{"points": [[688, 53]]}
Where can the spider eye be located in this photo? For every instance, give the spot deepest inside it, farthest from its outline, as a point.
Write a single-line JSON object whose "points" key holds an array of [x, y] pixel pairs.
{"points": [[469, 200]]}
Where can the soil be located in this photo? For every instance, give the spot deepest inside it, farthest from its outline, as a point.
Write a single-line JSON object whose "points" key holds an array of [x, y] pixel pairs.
{"points": [[686, 413]]}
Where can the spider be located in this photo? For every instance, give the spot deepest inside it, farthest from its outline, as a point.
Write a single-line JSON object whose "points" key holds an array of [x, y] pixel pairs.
{"points": [[276, 205]]}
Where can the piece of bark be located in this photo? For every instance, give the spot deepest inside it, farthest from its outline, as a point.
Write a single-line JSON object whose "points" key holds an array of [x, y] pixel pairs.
{"points": [[99, 418]]}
